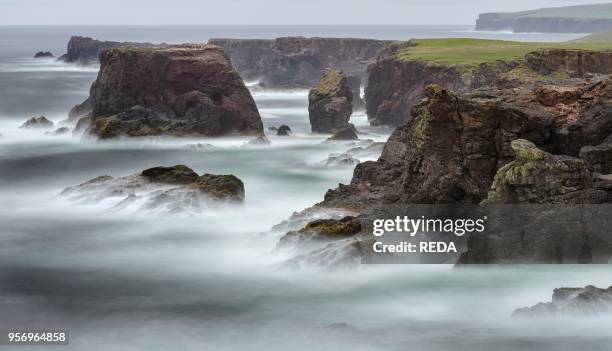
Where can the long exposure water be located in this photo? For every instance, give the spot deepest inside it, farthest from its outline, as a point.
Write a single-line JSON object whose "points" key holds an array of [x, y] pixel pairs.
{"points": [[126, 280]]}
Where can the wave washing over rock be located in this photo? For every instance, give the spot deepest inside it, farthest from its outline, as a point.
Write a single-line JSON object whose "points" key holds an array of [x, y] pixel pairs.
{"points": [[587, 301], [176, 189]]}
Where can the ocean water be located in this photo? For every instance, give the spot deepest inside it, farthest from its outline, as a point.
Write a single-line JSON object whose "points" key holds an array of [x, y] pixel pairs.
{"points": [[136, 280]]}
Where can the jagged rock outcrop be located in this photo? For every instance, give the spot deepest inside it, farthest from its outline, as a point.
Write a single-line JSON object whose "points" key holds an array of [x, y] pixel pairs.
{"points": [[37, 123], [452, 148], [463, 149], [330, 103], [43, 54], [162, 189], [298, 61], [536, 176], [571, 302], [397, 83], [86, 51], [177, 90]]}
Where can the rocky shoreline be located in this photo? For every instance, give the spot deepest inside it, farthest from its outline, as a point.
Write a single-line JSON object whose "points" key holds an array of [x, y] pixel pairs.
{"points": [[532, 129]]}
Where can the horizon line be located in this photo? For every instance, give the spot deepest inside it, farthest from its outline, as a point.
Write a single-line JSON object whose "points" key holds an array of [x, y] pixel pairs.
{"points": [[234, 25]]}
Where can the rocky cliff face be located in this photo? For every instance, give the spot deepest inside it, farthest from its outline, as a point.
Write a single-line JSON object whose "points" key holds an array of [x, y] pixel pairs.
{"points": [[298, 61], [395, 84], [85, 50], [453, 146], [330, 103], [576, 63], [516, 146], [178, 90]]}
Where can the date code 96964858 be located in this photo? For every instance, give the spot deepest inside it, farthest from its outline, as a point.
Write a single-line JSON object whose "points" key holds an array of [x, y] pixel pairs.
{"points": [[34, 337]]}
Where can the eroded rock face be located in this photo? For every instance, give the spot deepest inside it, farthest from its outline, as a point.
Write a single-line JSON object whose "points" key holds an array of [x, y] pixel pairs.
{"points": [[298, 61], [511, 146], [598, 157], [452, 148], [575, 62], [536, 176], [161, 189], [330, 103], [587, 301], [396, 84], [179, 90], [37, 123]]}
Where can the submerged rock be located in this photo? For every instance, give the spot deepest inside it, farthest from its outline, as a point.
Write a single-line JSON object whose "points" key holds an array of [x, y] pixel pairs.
{"points": [[59, 131], [283, 130], [323, 229], [165, 189], [261, 140], [200, 147], [345, 134], [37, 123], [342, 160], [43, 54], [587, 301], [177, 90], [330, 103]]}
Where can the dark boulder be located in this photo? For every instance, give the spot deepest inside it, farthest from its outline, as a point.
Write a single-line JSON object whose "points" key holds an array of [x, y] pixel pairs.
{"points": [[283, 130], [43, 54], [178, 174]]}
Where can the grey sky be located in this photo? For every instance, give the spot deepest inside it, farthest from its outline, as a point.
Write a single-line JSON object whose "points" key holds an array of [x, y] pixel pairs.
{"points": [[209, 12]]}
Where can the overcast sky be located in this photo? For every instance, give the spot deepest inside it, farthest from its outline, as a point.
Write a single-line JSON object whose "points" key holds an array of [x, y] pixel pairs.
{"points": [[209, 12]]}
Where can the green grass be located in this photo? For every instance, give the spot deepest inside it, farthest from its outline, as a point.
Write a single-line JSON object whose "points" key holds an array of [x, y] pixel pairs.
{"points": [[472, 52], [595, 38]]}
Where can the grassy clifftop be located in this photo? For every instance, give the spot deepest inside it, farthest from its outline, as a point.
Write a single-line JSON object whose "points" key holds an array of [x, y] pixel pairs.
{"points": [[579, 11], [472, 52]]}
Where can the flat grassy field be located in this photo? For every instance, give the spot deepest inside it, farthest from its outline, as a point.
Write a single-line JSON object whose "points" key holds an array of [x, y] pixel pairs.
{"points": [[472, 52]]}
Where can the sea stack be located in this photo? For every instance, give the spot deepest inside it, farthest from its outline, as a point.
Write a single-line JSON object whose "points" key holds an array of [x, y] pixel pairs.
{"points": [[177, 90], [330, 103]]}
